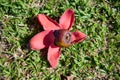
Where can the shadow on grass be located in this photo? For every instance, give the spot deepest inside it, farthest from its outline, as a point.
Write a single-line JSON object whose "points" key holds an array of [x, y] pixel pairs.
{"points": [[34, 28]]}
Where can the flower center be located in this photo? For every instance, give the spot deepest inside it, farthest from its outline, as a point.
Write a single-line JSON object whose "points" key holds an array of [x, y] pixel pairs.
{"points": [[62, 38]]}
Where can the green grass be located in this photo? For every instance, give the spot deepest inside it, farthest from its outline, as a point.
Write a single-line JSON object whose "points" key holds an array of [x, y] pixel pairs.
{"points": [[98, 57]]}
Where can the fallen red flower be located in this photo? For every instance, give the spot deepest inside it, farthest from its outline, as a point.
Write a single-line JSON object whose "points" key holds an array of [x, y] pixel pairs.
{"points": [[56, 35]]}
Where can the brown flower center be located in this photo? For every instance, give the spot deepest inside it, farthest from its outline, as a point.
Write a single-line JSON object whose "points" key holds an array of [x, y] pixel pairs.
{"points": [[62, 38]]}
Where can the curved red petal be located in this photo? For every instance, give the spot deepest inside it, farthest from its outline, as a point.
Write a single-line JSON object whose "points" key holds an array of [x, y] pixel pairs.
{"points": [[67, 19], [42, 40], [78, 36], [53, 55], [47, 23]]}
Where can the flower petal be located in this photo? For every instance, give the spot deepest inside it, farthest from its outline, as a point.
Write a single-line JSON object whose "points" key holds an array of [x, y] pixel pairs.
{"points": [[42, 40], [47, 23], [78, 36], [67, 19], [53, 55]]}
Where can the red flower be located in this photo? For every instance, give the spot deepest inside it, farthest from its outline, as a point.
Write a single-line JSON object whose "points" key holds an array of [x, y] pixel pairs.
{"points": [[56, 35]]}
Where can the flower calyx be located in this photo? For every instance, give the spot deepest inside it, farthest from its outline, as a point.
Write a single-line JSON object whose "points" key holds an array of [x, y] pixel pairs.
{"points": [[63, 38]]}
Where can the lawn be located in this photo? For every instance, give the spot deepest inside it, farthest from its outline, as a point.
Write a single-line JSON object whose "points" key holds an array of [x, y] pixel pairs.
{"points": [[97, 57]]}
